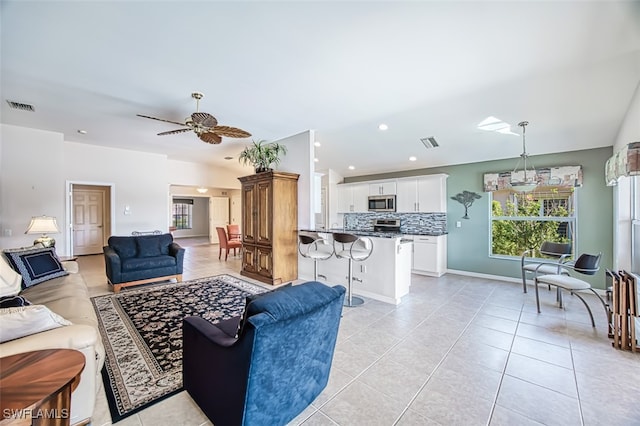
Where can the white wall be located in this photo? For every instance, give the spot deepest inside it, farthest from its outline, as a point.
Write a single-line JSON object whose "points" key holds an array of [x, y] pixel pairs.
{"points": [[31, 182], [629, 132], [299, 159], [140, 181], [36, 165], [192, 174]]}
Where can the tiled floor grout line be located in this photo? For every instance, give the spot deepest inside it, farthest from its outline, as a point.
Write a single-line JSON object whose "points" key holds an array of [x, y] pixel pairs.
{"points": [[385, 353], [504, 369], [445, 355]]}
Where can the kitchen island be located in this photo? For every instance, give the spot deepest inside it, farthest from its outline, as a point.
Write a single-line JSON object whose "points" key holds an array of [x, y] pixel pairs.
{"points": [[384, 276]]}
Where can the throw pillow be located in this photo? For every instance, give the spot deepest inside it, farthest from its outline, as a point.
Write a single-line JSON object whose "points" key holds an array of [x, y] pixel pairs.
{"points": [[13, 302], [36, 265], [10, 280], [27, 320]]}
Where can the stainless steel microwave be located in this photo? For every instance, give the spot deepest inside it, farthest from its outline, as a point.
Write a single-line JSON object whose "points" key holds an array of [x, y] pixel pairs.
{"points": [[382, 203]]}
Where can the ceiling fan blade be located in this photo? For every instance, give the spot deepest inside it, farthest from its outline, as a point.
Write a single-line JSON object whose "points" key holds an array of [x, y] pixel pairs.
{"points": [[230, 132], [173, 132], [209, 137], [161, 119], [204, 119]]}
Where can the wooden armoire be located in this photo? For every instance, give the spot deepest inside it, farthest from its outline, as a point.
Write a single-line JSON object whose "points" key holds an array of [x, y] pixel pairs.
{"points": [[270, 227]]}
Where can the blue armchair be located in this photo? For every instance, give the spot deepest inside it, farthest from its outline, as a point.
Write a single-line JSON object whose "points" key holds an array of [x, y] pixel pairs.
{"points": [[142, 259], [275, 367]]}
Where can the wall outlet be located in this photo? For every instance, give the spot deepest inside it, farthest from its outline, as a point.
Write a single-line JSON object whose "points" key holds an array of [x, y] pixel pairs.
{"points": [[7, 232], [458, 224]]}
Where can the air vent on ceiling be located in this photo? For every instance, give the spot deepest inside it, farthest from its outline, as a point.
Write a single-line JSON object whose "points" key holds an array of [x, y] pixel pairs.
{"points": [[21, 106], [430, 142]]}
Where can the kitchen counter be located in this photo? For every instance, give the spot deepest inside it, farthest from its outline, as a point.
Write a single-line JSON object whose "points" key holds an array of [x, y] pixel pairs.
{"points": [[372, 233], [384, 276]]}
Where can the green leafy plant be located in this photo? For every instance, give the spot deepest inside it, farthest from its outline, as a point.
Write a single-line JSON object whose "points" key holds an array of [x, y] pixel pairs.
{"points": [[512, 237], [262, 154]]}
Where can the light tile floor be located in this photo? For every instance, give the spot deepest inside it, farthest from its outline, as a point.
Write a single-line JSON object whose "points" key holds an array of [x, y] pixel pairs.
{"points": [[456, 351]]}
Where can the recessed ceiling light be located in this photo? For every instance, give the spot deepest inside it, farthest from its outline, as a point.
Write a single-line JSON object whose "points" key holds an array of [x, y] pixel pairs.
{"points": [[316, 160], [228, 158], [412, 158], [383, 126], [351, 168], [82, 132], [317, 143]]}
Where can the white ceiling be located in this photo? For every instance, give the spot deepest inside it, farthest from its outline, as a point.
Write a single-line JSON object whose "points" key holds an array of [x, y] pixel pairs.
{"points": [[278, 68]]}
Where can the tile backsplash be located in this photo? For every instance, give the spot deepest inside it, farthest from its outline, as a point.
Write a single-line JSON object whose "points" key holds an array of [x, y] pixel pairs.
{"points": [[410, 223]]}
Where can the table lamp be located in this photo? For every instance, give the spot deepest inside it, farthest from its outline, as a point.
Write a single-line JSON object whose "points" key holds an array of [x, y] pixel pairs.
{"points": [[43, 225]]}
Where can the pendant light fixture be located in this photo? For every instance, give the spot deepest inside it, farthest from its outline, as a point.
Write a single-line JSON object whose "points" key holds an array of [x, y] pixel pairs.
{"points": [[525, 180]]}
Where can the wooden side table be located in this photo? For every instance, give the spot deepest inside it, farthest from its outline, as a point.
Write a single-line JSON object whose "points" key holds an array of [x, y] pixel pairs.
{"points": [[35, 387]]}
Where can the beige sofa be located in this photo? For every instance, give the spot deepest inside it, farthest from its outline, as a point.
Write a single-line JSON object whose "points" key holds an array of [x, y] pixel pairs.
{"points": [[68, 297]]}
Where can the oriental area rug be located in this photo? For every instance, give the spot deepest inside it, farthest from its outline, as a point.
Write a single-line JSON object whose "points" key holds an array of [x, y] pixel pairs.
{"points": [[142, 334]]}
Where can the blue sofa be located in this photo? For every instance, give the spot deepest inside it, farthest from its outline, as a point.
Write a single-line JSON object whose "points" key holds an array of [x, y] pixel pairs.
{"points": [[275, 367], [142, 259]]}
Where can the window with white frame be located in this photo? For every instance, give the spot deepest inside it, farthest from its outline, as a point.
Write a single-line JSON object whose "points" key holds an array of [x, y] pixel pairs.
{"points": [[523, 221], [182, 213]]}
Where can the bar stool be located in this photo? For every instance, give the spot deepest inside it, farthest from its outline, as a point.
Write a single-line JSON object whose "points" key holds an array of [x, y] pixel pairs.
{"points": [[312, 246], [352, 248]]}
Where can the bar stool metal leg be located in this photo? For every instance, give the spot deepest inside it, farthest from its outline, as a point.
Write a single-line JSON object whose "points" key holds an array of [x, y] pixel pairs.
{"points": [[350, 300]]}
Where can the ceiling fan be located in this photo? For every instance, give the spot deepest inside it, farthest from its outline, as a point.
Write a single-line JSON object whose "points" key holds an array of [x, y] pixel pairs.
{"points": [[203, 124]]}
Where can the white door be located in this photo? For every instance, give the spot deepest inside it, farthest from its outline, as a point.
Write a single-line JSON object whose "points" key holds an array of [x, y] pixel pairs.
{"points": [[88, 221], [218, 216]]}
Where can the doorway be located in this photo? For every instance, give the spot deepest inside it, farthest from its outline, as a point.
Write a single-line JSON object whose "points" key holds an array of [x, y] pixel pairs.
{"points": [[90, 218], [218, 216]]}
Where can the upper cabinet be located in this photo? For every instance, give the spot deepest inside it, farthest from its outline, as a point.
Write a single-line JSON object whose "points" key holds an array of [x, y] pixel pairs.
{"points": [[382, 188], [426, 194], [353, 198], [420, 194]]}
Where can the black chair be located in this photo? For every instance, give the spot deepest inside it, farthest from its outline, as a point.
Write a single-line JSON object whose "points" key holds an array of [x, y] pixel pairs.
{"points": [[587, 264], [558, 251]]}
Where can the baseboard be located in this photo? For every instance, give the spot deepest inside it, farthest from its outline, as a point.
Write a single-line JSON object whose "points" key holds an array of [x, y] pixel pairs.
{"points": [[600, 291], [487, 276]]}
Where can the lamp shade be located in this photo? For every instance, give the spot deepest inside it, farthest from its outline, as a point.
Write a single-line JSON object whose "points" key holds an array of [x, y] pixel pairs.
{"points": [[43, 225]]}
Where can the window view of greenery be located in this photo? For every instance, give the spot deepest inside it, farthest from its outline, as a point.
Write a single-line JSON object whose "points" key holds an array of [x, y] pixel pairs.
{"points": [[182, 213], [523, 221]]}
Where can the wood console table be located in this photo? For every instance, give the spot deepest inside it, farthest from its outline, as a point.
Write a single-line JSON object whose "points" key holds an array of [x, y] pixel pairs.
{"points": [[35, 387]]}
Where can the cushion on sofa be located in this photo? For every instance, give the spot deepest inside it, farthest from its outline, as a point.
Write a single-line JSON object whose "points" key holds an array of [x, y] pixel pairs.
{"points": [[36, 265], [148, 246], [10, 280], [26, 320], [125, 246], [143, 263]]}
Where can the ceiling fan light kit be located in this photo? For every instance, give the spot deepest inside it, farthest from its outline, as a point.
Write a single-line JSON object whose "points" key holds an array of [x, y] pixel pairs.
{"points": [[202, 124]]}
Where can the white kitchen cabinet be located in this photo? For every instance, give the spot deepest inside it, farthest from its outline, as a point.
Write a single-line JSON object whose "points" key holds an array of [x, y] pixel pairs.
{"points": [[353, 198], [407, 195], [425, 194], [430, 255], [382, 188]]}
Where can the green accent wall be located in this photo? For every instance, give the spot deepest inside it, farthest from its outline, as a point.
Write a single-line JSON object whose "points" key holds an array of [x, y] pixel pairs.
{"points": [[468, 246]]}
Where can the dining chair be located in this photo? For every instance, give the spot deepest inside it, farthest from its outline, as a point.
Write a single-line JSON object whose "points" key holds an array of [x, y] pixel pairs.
{"points": [[587, 264], [560, 252], [233, 232], [227, 244]]}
